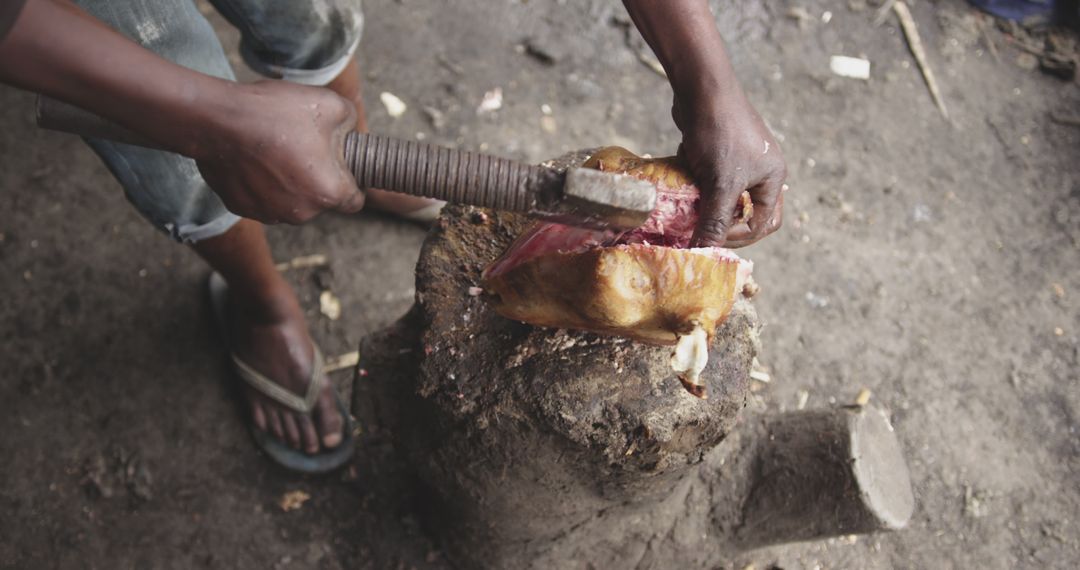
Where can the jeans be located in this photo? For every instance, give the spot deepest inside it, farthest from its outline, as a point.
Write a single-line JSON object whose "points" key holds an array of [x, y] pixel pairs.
{"points": [[304, 41]]}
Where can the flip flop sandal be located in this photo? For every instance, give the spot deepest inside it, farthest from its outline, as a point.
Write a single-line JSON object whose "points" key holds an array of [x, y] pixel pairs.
{"points": [[326, 460]]}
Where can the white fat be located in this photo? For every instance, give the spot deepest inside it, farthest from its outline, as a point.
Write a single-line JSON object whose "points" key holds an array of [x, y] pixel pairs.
{"points": [[746, 267], [691, 354]]}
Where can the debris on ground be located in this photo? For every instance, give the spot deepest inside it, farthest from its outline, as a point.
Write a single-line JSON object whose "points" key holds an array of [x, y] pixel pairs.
{"points": [[853, 67], [1053, 51], [652, 63], [759, 373], [911, 32], [801, 398], [304, 261], [543, 51], [342, 361], [817, 301], [120, 470], [395, 107], [492, 101], [293, 500], [975, 502], [435, 117], [800, 15], [863, 398], [329, 305]]}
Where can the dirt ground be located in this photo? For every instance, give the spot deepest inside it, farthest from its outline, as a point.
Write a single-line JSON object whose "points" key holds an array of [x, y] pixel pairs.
{"points": [[935, 263]]}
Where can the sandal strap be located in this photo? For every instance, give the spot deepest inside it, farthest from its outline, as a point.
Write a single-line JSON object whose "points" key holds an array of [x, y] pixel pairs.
{"points": [[280, 394]]}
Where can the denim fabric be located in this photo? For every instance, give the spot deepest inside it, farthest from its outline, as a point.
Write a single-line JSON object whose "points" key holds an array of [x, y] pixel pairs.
{"points": [[307, 41], [317, 36]]}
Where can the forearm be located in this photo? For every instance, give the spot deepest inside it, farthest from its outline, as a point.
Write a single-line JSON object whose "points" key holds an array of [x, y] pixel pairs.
{"points": [[57, 50], [684, 36]]}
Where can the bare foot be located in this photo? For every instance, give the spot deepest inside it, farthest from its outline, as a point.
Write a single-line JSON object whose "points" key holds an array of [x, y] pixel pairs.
{"points": [[271, 335]]}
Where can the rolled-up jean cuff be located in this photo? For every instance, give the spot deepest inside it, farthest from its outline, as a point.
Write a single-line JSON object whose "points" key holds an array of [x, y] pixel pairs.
{"points": [[317, 77], [194, 233]]}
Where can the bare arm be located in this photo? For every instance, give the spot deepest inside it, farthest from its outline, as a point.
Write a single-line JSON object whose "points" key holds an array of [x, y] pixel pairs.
{"points": [[725, 142], [271, 150]]}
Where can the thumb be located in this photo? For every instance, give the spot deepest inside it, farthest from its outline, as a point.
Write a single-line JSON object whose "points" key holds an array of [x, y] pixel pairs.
{"points": [[715, 215], [353, 203]]}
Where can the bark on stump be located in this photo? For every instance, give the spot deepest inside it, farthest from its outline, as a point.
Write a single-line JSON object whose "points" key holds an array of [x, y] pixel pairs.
{"points": [[542, 448]]}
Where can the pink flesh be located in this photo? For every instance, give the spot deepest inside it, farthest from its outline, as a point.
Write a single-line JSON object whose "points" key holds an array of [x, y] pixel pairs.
{"points": [[672, 222], [670, 225]]}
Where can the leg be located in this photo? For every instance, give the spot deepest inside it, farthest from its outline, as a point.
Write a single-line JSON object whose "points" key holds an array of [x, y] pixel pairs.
{"points": [[267, 329]]}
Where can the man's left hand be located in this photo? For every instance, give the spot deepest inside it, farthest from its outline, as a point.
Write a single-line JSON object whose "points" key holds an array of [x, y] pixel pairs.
{"points": [[729, 149]]}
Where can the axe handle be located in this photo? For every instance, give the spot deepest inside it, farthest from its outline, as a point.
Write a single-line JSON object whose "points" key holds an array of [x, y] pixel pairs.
{"points": [[419, 169], [408, 167], [452, 175]]}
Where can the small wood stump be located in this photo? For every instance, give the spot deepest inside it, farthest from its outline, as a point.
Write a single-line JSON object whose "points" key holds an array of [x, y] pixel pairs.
{"points": [[544, 448]]}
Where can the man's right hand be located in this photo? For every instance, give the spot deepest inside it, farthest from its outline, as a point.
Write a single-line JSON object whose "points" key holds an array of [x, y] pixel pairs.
{"points": [[275, 152]]}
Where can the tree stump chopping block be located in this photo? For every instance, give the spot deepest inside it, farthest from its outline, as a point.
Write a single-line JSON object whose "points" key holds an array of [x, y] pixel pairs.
{"points": [[545, 448], [524, 434]]}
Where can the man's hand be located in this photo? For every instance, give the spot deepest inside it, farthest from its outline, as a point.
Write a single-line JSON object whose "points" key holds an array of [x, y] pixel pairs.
{"points": [[729, 150], [725, 143], [273, 151], [277, 155]]}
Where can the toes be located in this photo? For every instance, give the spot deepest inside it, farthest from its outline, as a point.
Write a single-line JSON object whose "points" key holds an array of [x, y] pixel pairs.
{"points": [[292, 431], [308, 435], [258, 416], [329, 420], [276, 426]]}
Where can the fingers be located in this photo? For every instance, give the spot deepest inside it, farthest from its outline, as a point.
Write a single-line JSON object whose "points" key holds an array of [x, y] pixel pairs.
{"points": [[765, 195], [715, 214], [742, 236]]}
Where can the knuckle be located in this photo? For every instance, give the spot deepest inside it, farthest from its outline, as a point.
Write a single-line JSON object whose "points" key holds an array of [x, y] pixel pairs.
{"points": [[780, 171]]}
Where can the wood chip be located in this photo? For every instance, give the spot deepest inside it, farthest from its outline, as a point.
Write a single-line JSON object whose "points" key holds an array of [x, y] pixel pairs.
{"points": [[760, 376], [293, 500], [911, 32], [801, 397], [342, 361], [863, 398], [395, 107], [313, 260], [652, 63], [329, 305]]}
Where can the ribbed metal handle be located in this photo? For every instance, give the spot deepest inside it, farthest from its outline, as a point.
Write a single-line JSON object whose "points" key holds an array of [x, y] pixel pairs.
{"points": [[455, 176]]}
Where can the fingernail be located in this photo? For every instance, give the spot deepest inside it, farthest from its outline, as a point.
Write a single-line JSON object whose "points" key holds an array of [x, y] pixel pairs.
{"points": [[331, 440]]}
